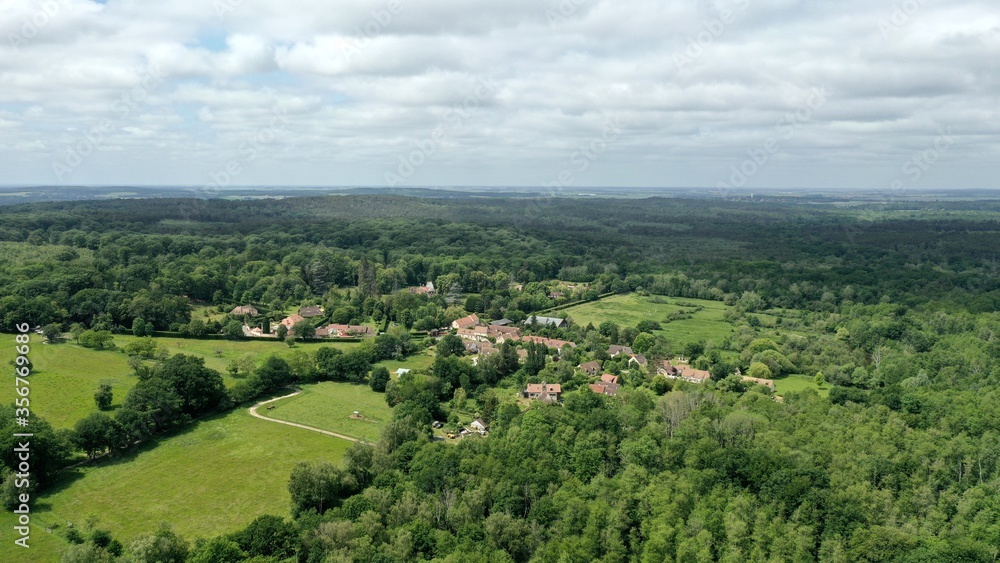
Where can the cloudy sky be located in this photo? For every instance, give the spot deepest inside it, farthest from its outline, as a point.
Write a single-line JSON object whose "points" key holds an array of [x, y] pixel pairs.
{"points": [[572, 93]]}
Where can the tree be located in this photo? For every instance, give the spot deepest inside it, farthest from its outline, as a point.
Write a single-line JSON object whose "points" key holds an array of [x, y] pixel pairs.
{"points": [[233, 330], [52, 333], [267, 536], [141, 328], [820, 379], [96, 339], [609, 330], [644, 343], [450, 345], [352, 366], [326, 364], [163, 546], [217, 550], [104, 396], [157, 399], [379, 378], [241, 367], [290, 341], [317, 486], [304, 329], [759, 370], [273, 374], [647, 326], [535, 361], [201, 389], [94, 434], [281, 332]]}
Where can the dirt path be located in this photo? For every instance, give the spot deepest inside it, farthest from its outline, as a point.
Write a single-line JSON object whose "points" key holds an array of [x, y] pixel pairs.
{"points": [[253, 413]]}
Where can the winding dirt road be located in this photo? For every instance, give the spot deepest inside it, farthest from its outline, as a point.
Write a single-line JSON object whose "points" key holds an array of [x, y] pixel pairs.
{"points": [[254, 413]]}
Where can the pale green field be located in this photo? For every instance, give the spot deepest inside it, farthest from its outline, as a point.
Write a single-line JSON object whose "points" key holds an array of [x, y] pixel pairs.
{"points": [[65, 377], [419, 362], [794, 383], [211, 478], [329, 405], [219, 353], [628, 310]]}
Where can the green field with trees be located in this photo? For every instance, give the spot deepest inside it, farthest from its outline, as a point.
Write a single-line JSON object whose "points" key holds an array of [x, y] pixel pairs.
{"points": [[683, 321], [66, 377], [878, 323], [329, 405], [210, 478]]}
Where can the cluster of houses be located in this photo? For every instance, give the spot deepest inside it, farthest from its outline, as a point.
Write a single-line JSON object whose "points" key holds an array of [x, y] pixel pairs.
{"points": [[480, 336], [289, 322]]}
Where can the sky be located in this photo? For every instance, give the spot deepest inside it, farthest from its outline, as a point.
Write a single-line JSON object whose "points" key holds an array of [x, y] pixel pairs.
{"points": [[719, 94]]}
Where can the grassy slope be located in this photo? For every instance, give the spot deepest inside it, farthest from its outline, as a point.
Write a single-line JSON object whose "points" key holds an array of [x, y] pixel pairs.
{"points": [[628, 310], [328, 405], [211, 478], [65, 377], [230, 350]]}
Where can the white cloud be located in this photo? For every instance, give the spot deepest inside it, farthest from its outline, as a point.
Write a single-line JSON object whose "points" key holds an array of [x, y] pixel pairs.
{"points": [[695, 85]]}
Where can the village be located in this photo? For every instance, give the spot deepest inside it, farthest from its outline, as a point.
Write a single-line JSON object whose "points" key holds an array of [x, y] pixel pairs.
{"points": [[482, 338]]}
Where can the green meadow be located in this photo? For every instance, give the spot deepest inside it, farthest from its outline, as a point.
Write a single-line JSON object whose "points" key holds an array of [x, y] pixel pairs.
{"points": [[628, 310], [794, 383], [329, 406], [65, 376], [210, 478], [219, 353]]}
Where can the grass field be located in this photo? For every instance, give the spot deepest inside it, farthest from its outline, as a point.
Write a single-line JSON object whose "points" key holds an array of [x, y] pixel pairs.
{"points": [[329, 405], [794, 383], [65, 377], [219, 353], [211, 478], [628, 310], [419, 362]]}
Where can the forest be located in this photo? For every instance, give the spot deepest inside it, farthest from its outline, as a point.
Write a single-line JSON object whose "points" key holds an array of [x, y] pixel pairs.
{"points": [[890, 307]]}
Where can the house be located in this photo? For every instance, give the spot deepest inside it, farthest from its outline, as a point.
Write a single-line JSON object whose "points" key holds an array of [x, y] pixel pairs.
{"points": [[466, 322], [503, 332], [548, 393], [477, 333], [401, 372], [290, 321], [609, 378], [691, 375], [427, 289], [549, 321], [769, 383], [549, 342], [348, 331], [609, 389], [615, 349], [255, 332], [311, 311], [638, 359], [522, 354], [556, 295], [483, 349], [484, 333], [479, 426], [501, 322], [665, 369], [244, 310], [591, 368]]}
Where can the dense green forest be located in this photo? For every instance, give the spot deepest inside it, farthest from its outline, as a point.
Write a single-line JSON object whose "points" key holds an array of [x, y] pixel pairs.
{"points": [[893, 307]]}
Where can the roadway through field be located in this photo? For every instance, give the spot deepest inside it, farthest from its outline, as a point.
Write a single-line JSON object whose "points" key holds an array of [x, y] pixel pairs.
{"points": [[254, 413]]}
